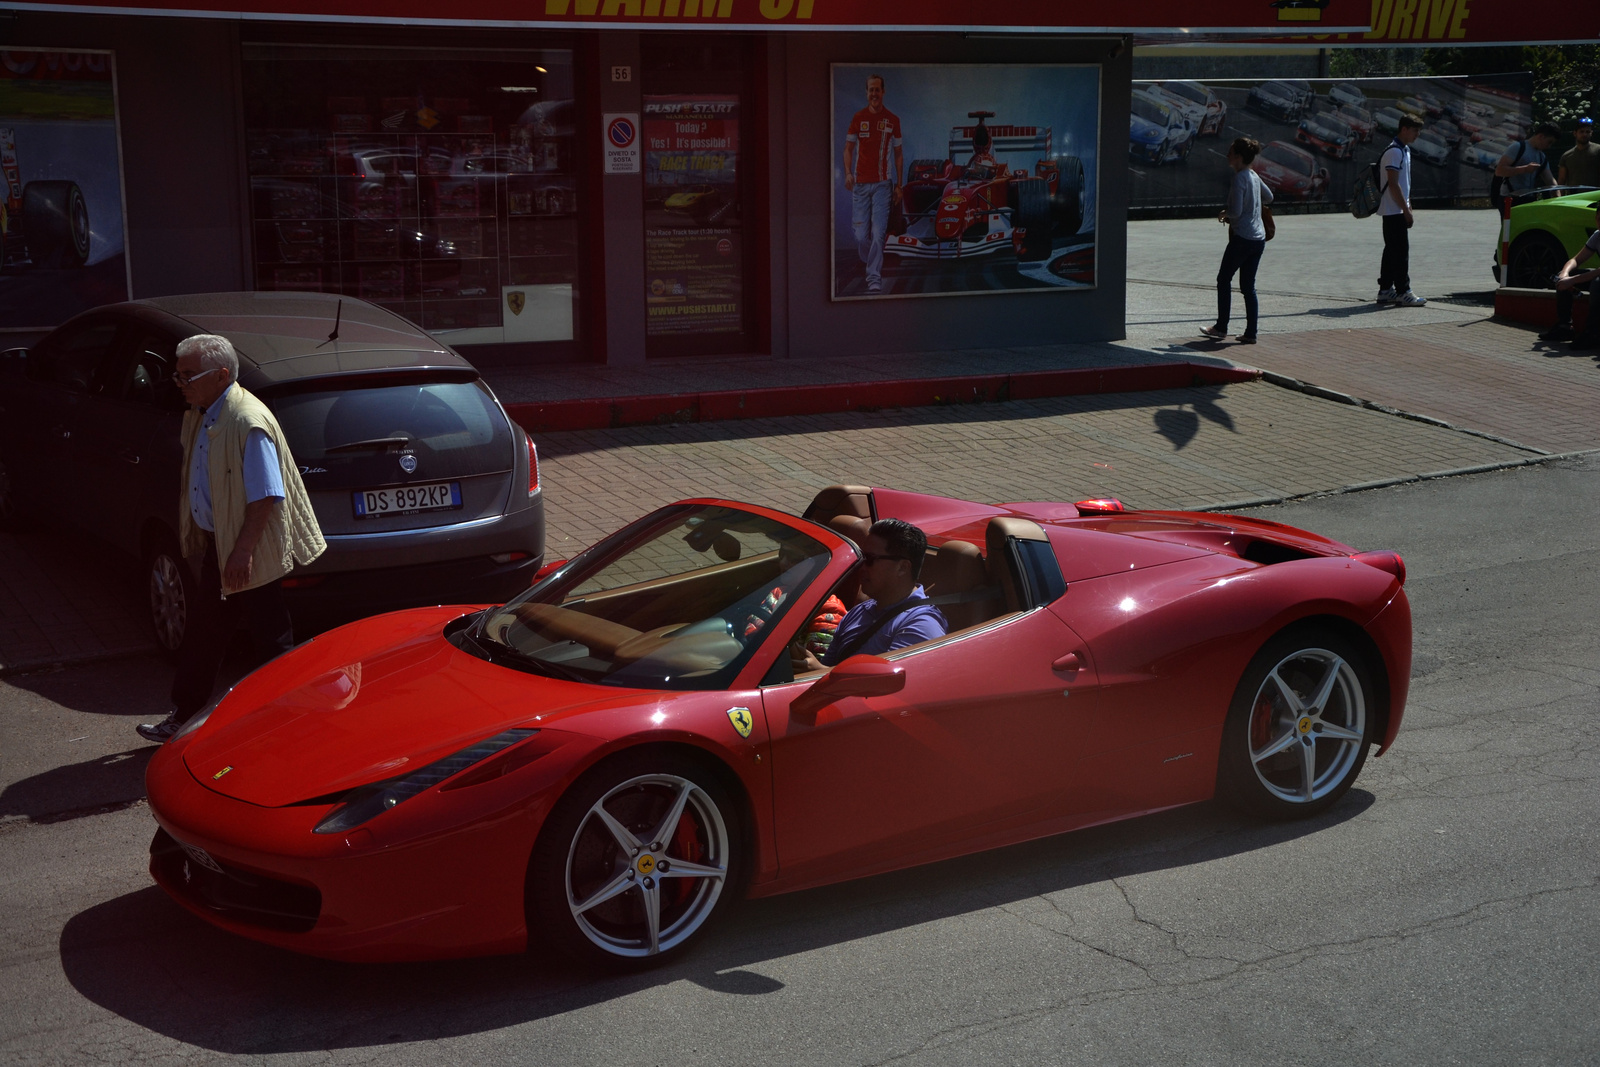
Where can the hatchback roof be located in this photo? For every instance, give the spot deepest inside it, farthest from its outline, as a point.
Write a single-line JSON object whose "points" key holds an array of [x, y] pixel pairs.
{"points": [[285, 335]]}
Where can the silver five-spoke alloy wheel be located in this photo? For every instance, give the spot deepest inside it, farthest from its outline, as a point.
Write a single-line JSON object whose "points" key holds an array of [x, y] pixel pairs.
{"points": [[647, 865], [1307, 727]]}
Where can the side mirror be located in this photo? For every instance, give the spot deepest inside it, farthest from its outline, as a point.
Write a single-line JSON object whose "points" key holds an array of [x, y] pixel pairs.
{"points": [[858, 676]]}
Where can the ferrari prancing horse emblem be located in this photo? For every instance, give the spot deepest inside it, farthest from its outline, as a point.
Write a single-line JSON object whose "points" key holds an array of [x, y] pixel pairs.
{"points": [[515, 301], [740, 717]]}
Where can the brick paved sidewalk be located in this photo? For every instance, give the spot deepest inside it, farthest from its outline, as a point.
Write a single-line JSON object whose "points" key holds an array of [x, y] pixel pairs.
{"points": [[1483, 375]]}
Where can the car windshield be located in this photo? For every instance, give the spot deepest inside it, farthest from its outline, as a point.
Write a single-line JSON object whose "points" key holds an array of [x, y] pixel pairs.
{"points": [[1150, 111], [451, 427], [1188, 92], [1287, 158], [681, 599]]}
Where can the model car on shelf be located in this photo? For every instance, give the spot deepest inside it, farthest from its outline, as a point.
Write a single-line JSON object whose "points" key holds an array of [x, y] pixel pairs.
{"points": [[1547, 229], [43, 223], [1291, 173], [1214, 110], [423, 487], [1327, 133], [974, 203], [1157, 131], [600, 765], [1276, 99]]}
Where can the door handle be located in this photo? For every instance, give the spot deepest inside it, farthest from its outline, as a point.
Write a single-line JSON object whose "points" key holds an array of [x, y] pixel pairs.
{"points": [[129, 457], [1069, 662]]}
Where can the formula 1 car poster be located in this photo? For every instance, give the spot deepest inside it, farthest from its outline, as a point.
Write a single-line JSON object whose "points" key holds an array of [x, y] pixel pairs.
{"points": [[952, 179], [692, 252], [61, 232]]}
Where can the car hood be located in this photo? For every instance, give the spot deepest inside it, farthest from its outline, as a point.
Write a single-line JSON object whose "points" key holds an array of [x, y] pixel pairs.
{"points": [[1145, 130], [366, 702]]}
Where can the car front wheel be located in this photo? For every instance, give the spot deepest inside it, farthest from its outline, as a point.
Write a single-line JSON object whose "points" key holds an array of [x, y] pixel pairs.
{"points": [[1299, 725], [634, 863], [169, 585], [1536, 257]]}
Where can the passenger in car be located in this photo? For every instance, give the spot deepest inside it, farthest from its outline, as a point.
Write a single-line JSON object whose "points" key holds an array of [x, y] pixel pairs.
{"points": [[896, 612]]}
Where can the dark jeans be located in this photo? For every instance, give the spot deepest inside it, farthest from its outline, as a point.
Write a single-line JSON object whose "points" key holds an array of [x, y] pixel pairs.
{"points": [[1564, 302], [1243, 255], [210, 627], [1395, 271]]}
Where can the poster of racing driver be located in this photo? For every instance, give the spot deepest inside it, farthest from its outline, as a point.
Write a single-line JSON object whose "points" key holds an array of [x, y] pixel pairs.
{"points": [[951, 179]]}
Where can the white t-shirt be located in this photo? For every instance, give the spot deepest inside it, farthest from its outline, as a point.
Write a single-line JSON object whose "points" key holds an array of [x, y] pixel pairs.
{"points": [[1396, 167]]}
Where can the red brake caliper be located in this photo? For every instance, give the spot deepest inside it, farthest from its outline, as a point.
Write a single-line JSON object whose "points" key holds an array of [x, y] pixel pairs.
{"points": [[1261, 724], [686, 845]]}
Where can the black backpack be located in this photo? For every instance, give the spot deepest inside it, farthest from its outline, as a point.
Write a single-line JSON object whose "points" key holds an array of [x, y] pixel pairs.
{"points": [[1500, 188]]}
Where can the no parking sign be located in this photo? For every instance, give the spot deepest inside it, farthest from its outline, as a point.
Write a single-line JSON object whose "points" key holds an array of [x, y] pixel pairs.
{"points": [[621, 142]]}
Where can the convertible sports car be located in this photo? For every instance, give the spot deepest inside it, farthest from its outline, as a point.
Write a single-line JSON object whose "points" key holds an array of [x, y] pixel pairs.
{"points": [[600, 765], [952, 209], [1545, 234]]}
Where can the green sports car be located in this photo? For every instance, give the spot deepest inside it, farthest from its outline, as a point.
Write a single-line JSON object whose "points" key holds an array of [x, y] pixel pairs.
{"points": [[1545, 234]]}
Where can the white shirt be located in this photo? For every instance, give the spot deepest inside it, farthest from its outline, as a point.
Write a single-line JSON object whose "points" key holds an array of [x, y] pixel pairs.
{"points": [[1396, 167], [262, 477]]}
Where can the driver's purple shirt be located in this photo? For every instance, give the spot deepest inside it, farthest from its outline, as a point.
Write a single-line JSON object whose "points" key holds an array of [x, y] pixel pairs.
{"points": [[911, 626]]}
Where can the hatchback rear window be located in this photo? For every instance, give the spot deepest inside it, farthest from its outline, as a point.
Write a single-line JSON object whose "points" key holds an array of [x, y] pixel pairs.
{"points": [[457, 421]]}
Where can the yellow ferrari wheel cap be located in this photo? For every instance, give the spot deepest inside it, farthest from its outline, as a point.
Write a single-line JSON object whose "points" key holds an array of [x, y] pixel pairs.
{"points": [[742, 722], [646, 864]]}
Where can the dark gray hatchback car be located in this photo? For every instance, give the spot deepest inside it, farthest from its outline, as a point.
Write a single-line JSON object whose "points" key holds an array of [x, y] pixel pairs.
{"points": [[425, 490]]}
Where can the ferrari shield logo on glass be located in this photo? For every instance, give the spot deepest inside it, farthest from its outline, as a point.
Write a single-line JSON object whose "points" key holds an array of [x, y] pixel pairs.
{"points": [[515, 301], [740, 717], [408, 464]]}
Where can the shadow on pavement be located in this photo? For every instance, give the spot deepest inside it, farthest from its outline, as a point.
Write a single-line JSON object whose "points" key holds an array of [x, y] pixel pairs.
{"points": [[144, 958], [134, 687], [88, 788]]}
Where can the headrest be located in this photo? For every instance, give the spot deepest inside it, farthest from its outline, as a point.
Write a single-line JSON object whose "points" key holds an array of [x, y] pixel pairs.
{"points": [[959, 567], [856, 529], [840, 500]]}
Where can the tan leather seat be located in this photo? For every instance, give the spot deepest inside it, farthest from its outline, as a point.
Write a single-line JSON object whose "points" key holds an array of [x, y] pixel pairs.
{"points": [[840, 500], [957, 569], [851, 526]]}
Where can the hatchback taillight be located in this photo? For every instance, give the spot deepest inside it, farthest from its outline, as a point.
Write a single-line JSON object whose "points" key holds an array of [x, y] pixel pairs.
{"points": [[533, 467]]}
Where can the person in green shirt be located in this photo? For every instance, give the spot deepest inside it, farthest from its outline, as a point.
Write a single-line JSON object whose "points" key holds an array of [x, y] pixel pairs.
{"points": [[1580, 165]]}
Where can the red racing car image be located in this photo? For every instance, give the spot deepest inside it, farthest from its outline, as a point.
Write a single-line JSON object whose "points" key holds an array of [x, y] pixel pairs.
{"points": [[952, 209], [1291, 173], [601, 765]]}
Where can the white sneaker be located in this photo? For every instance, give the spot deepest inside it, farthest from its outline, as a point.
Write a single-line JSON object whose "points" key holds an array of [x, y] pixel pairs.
{"points": [[1387, 297], [1408, 299], [874, 285]]}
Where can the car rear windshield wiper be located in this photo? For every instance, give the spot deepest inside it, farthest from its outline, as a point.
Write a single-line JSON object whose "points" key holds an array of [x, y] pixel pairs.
{"points": [[370, 442]]}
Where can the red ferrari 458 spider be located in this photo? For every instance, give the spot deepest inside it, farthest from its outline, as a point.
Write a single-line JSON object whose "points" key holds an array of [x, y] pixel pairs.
{"points": [[601, 765]]}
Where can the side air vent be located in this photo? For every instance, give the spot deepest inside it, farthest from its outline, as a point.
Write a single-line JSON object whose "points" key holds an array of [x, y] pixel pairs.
{"points": [[1270, 552]]}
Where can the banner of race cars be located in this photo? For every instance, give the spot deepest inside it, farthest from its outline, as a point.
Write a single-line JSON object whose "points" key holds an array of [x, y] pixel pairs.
{"points": [[1317, 136], [1167, 17], [997, 169], [61, 236]]}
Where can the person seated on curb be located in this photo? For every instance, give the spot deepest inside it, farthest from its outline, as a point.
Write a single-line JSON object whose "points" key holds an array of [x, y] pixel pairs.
{"points": [[1568, 282], [896, 612]]}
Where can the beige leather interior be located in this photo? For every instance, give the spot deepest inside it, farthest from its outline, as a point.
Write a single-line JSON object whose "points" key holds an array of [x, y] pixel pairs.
{"points": [[958, 568], [840, 500], [1002, 565]]}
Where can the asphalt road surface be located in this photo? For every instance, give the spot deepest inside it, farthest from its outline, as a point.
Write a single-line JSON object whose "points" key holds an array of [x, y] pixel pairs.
{"points": [[1203, 179], [1443, 913]]}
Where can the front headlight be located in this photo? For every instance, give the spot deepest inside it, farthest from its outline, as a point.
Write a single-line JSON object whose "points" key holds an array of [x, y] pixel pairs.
{"points": [[362, 804]]}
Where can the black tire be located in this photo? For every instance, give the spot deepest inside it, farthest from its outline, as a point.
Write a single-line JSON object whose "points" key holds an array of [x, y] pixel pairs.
{"points": [[1535, 257], [1067, 206], [169, 593], [578, 858], [55, 223], [1030, 210], [1270, 743]]}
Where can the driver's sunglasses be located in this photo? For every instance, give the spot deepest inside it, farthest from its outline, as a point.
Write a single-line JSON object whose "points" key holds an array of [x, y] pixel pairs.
{"points": [[191, 379], [869, 558]]}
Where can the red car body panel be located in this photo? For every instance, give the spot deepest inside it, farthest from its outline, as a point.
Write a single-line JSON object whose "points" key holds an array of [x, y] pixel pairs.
{"points": [[989, 742]]}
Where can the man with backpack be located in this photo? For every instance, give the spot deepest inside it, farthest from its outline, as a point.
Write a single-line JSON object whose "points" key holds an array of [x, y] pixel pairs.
{"points": [[1524, 166], [1394, 273]]}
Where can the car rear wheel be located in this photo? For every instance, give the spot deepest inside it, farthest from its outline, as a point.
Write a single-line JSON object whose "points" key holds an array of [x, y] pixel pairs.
{"points": [[55, 223], [1535, 257], [635, 862], [170, 590], [1068, 203], [1030, 211], [1299, 725]]}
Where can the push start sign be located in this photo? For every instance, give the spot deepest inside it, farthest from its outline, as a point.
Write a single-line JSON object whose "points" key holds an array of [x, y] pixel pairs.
{"points": [[621, 142]]}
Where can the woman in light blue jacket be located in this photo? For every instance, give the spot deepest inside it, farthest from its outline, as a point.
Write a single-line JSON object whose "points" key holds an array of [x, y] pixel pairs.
{"points": [[1249, 220]]}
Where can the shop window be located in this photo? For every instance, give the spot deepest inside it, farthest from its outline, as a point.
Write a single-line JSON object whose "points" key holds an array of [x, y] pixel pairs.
{"points": [[699, 194], [438, 183]]}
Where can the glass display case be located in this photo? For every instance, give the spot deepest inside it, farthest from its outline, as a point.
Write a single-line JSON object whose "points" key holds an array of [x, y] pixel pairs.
{"points": [[438, 184]]}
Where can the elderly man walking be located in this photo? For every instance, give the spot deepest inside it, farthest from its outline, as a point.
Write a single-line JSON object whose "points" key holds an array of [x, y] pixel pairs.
{"points": [[244, 520]]}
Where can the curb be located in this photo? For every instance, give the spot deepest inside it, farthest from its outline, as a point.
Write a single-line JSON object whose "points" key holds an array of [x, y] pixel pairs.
{"points": [[603, 413], [1385, 483], [1286, 382]]}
